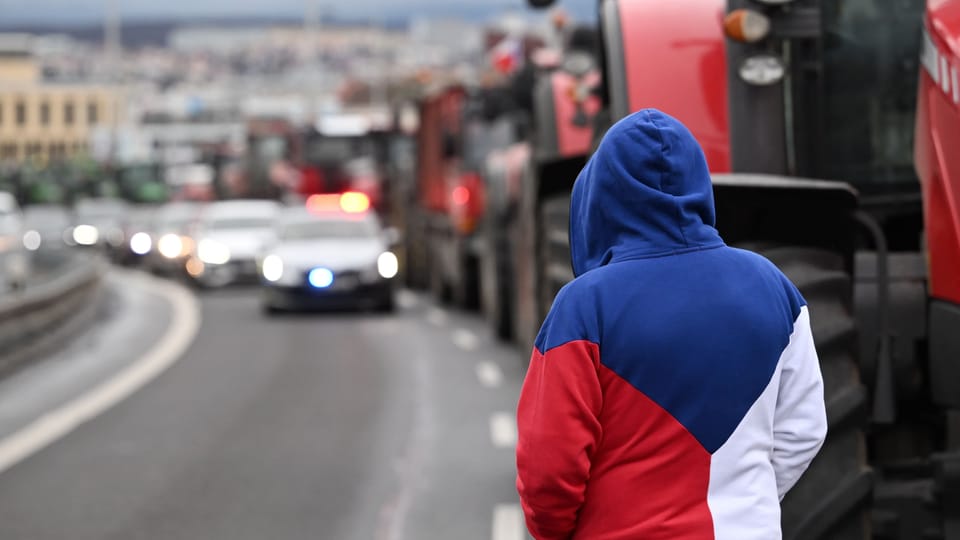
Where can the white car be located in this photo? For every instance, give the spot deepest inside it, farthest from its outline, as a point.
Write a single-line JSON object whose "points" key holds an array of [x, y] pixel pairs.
{"points": [[228, 236], [329, 259], [100, 223], [46, 227], [168, 242]]}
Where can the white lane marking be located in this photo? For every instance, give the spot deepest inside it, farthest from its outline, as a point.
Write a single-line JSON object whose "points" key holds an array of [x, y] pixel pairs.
{"points": [[503, 430], [465, 339], [437, 317], [508, 523], [185, 321], [415, 458], [406, 299], [489, 374]]}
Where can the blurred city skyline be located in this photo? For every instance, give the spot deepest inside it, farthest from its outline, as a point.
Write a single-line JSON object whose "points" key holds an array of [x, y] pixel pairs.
{"points": [[85, 12]]}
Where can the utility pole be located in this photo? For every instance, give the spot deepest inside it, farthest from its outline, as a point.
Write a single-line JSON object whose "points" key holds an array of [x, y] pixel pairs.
{"points": [[111, 37], [311, 27], [112, 53]]}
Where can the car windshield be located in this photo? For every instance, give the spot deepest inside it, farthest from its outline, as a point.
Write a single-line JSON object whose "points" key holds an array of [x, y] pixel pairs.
{"points": [[46, 217], [100, 211], [320, 229], [236, 223]]}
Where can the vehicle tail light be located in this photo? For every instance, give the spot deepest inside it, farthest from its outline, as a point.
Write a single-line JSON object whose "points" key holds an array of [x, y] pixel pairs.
{"points": [[460, 196]]}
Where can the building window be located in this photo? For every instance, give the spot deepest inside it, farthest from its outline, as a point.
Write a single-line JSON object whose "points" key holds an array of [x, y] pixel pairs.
{"points": [[45, 114], [93, 113], [68, 113], [21, 113]]}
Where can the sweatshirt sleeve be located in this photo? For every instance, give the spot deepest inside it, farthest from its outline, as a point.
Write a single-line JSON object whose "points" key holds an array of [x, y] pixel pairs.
{"points": [[558, 431], [800, 420]]}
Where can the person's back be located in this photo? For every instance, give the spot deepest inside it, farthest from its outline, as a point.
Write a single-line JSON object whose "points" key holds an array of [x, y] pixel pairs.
{"points": [[674, 391]]}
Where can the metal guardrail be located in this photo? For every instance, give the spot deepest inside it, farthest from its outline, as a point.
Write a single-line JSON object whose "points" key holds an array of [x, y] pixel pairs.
{"points": [[36, 320]]}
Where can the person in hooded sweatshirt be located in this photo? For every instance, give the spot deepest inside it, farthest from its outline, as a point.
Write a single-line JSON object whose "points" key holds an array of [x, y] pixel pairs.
{"points": [[674, 391]]}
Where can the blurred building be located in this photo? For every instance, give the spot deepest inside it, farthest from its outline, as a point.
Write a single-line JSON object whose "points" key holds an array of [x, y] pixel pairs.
{"points": [[44, 122]]}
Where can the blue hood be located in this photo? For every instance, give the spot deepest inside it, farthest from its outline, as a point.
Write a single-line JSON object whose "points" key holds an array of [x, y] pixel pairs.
{"points": [[646, 192]]}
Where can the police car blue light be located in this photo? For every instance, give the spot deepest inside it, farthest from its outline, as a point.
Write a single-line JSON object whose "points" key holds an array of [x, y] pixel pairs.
{"points": [[320, 278]]}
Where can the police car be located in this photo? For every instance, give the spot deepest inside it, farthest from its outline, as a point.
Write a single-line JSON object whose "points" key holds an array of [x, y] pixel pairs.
{"points": [[332, 252]]}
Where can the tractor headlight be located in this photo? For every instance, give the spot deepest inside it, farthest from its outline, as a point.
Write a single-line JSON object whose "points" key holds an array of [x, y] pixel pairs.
{"points": [[762, 70]]}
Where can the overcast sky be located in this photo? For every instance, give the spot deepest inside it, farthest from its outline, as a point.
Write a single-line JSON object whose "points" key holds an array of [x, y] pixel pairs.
{"points": [[59, 11]]}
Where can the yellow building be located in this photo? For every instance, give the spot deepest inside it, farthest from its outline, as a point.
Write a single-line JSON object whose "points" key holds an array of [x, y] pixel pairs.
{"points": [[41, 122]]}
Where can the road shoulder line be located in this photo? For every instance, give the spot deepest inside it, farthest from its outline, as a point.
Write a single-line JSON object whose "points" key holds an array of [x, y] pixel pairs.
{"points": [[54, 425]]}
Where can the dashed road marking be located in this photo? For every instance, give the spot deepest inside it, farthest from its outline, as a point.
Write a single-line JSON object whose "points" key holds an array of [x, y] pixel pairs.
{"points": [[437, 317], [503, 430], [489, 374], [508, 523], [465, 339], [57, 423]]}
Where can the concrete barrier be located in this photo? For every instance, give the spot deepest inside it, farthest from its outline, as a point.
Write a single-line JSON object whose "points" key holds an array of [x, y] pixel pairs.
{"points": [[40, 318]]}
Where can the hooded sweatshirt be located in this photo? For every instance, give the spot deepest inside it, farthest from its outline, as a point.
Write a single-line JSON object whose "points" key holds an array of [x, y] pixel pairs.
{"points": [[674, 391]]}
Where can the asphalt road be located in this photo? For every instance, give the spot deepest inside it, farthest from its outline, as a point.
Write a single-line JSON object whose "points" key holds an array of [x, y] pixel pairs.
{"points": [[333, 426]]}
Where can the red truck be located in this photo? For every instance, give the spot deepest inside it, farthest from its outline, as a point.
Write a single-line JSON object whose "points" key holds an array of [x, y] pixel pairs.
{"points": [[451, 141], [831, 160]]}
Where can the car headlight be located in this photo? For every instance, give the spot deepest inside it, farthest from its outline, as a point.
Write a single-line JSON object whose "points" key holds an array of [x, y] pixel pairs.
{"points": [[86, 235], [387, 265], [213, 252], [141, 243], [272, 268], [170, 246], [32, 240]]}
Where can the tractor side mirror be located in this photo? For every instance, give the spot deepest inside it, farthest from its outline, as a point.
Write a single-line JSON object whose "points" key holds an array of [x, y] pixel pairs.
{"points": [[540, 4]]}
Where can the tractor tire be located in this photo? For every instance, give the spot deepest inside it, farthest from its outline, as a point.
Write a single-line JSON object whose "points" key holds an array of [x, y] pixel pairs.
{"points": [[466, 295], [553, 249], [495, 280], [831, 501]]}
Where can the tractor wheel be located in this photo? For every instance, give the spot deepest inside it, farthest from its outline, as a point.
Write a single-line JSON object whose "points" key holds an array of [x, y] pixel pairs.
{"points": [[553, 249], [831, 500], [495, 281]]}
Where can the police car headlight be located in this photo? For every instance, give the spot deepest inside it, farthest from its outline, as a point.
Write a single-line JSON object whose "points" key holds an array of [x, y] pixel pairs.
{"points": [[272, 268], [213, 252], [387, 265]]}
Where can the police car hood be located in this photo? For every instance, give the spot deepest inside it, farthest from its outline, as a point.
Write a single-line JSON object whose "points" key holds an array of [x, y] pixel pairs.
{"points": [[337, 254], [646, 192]]}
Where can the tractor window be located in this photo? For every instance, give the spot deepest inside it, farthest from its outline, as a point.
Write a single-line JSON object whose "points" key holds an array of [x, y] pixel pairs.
{"points": [[871, 64], [337, 149]]}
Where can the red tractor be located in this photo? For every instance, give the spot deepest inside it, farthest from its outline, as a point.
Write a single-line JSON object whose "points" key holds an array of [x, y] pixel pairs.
{"points": [[550, 121], [341, 153], [806, 111], [451, 142]]}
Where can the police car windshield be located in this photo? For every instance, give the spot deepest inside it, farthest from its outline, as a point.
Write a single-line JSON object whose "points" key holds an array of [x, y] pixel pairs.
{"points": [[322, 229]]}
